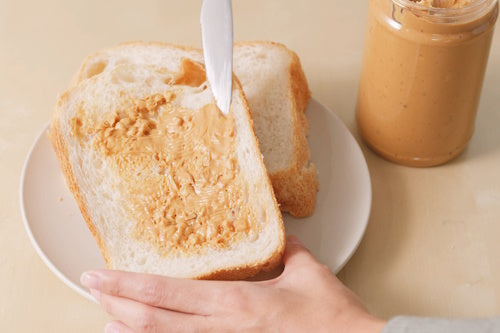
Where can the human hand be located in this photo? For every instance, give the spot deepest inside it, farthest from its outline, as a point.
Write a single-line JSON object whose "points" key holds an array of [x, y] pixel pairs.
{"points": [[306, 297]]}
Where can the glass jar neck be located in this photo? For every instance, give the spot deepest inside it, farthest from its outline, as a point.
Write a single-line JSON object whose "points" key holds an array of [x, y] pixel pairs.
{"points": [[441, 12], [420, 23]]}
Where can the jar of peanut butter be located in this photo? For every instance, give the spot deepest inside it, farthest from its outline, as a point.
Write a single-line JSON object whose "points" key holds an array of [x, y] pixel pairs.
{"points": [[422, 74]]}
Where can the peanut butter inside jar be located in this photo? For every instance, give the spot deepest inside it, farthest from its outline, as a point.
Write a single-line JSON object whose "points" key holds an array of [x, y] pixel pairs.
{"points": [[421, 79]]}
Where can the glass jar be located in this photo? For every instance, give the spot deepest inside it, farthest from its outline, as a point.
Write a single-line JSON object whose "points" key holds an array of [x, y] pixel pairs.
{"points": [[421, 78]]}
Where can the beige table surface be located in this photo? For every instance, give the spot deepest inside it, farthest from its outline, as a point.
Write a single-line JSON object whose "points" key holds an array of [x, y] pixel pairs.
{"points": [[432, 245]]}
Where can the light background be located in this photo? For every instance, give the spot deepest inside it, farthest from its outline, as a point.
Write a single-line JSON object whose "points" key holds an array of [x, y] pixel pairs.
{"points": [[432, 245]]}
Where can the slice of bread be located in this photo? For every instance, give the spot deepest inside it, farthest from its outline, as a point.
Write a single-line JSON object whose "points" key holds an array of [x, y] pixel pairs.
{"points": [[165, 182], [277, 93]]}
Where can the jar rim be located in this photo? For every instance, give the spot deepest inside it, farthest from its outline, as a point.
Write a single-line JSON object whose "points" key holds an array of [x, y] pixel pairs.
{"points": [[472, 10]]}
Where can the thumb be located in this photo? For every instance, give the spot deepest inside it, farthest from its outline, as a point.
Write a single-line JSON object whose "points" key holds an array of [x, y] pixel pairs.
{"points": [[296, 254]]}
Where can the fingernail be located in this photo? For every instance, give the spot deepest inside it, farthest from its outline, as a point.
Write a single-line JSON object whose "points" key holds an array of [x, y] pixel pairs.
{"points": [[96, 294], [294, 240], [91, 280], [111, 328]]}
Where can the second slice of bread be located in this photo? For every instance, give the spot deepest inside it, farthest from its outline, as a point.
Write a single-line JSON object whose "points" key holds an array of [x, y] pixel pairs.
{"points": [[277, 93]]}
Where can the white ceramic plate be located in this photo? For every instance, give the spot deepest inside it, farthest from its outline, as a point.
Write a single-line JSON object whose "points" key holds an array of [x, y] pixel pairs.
{"points": [[61, 238]]}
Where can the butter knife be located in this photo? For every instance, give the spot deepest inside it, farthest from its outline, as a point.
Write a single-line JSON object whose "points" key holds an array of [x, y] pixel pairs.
{"points": [[217, 37]]}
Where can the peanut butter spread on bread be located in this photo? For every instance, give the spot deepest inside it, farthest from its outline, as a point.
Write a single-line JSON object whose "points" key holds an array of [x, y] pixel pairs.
{"points": [[191, 74], [184, 186]]}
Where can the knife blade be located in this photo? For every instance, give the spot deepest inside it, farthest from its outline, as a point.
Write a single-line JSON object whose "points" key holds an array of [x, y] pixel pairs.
{"points": [[217, 38]]}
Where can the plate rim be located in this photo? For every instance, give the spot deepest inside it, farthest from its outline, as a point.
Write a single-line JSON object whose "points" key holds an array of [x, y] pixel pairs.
{"points": [[46, 260], [366, 170]]}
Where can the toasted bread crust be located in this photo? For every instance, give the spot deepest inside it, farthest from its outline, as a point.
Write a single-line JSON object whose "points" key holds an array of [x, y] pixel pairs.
{"points": [[247, 271], [237, 272]]}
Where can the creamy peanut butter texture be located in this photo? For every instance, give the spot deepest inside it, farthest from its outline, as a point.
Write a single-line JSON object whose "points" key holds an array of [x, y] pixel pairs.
{"points": [[445, 3], [195, 196]]}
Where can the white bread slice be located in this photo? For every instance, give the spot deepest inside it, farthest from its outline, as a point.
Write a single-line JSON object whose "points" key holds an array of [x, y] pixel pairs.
{"points": [[111, 190], [277, 93]]}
